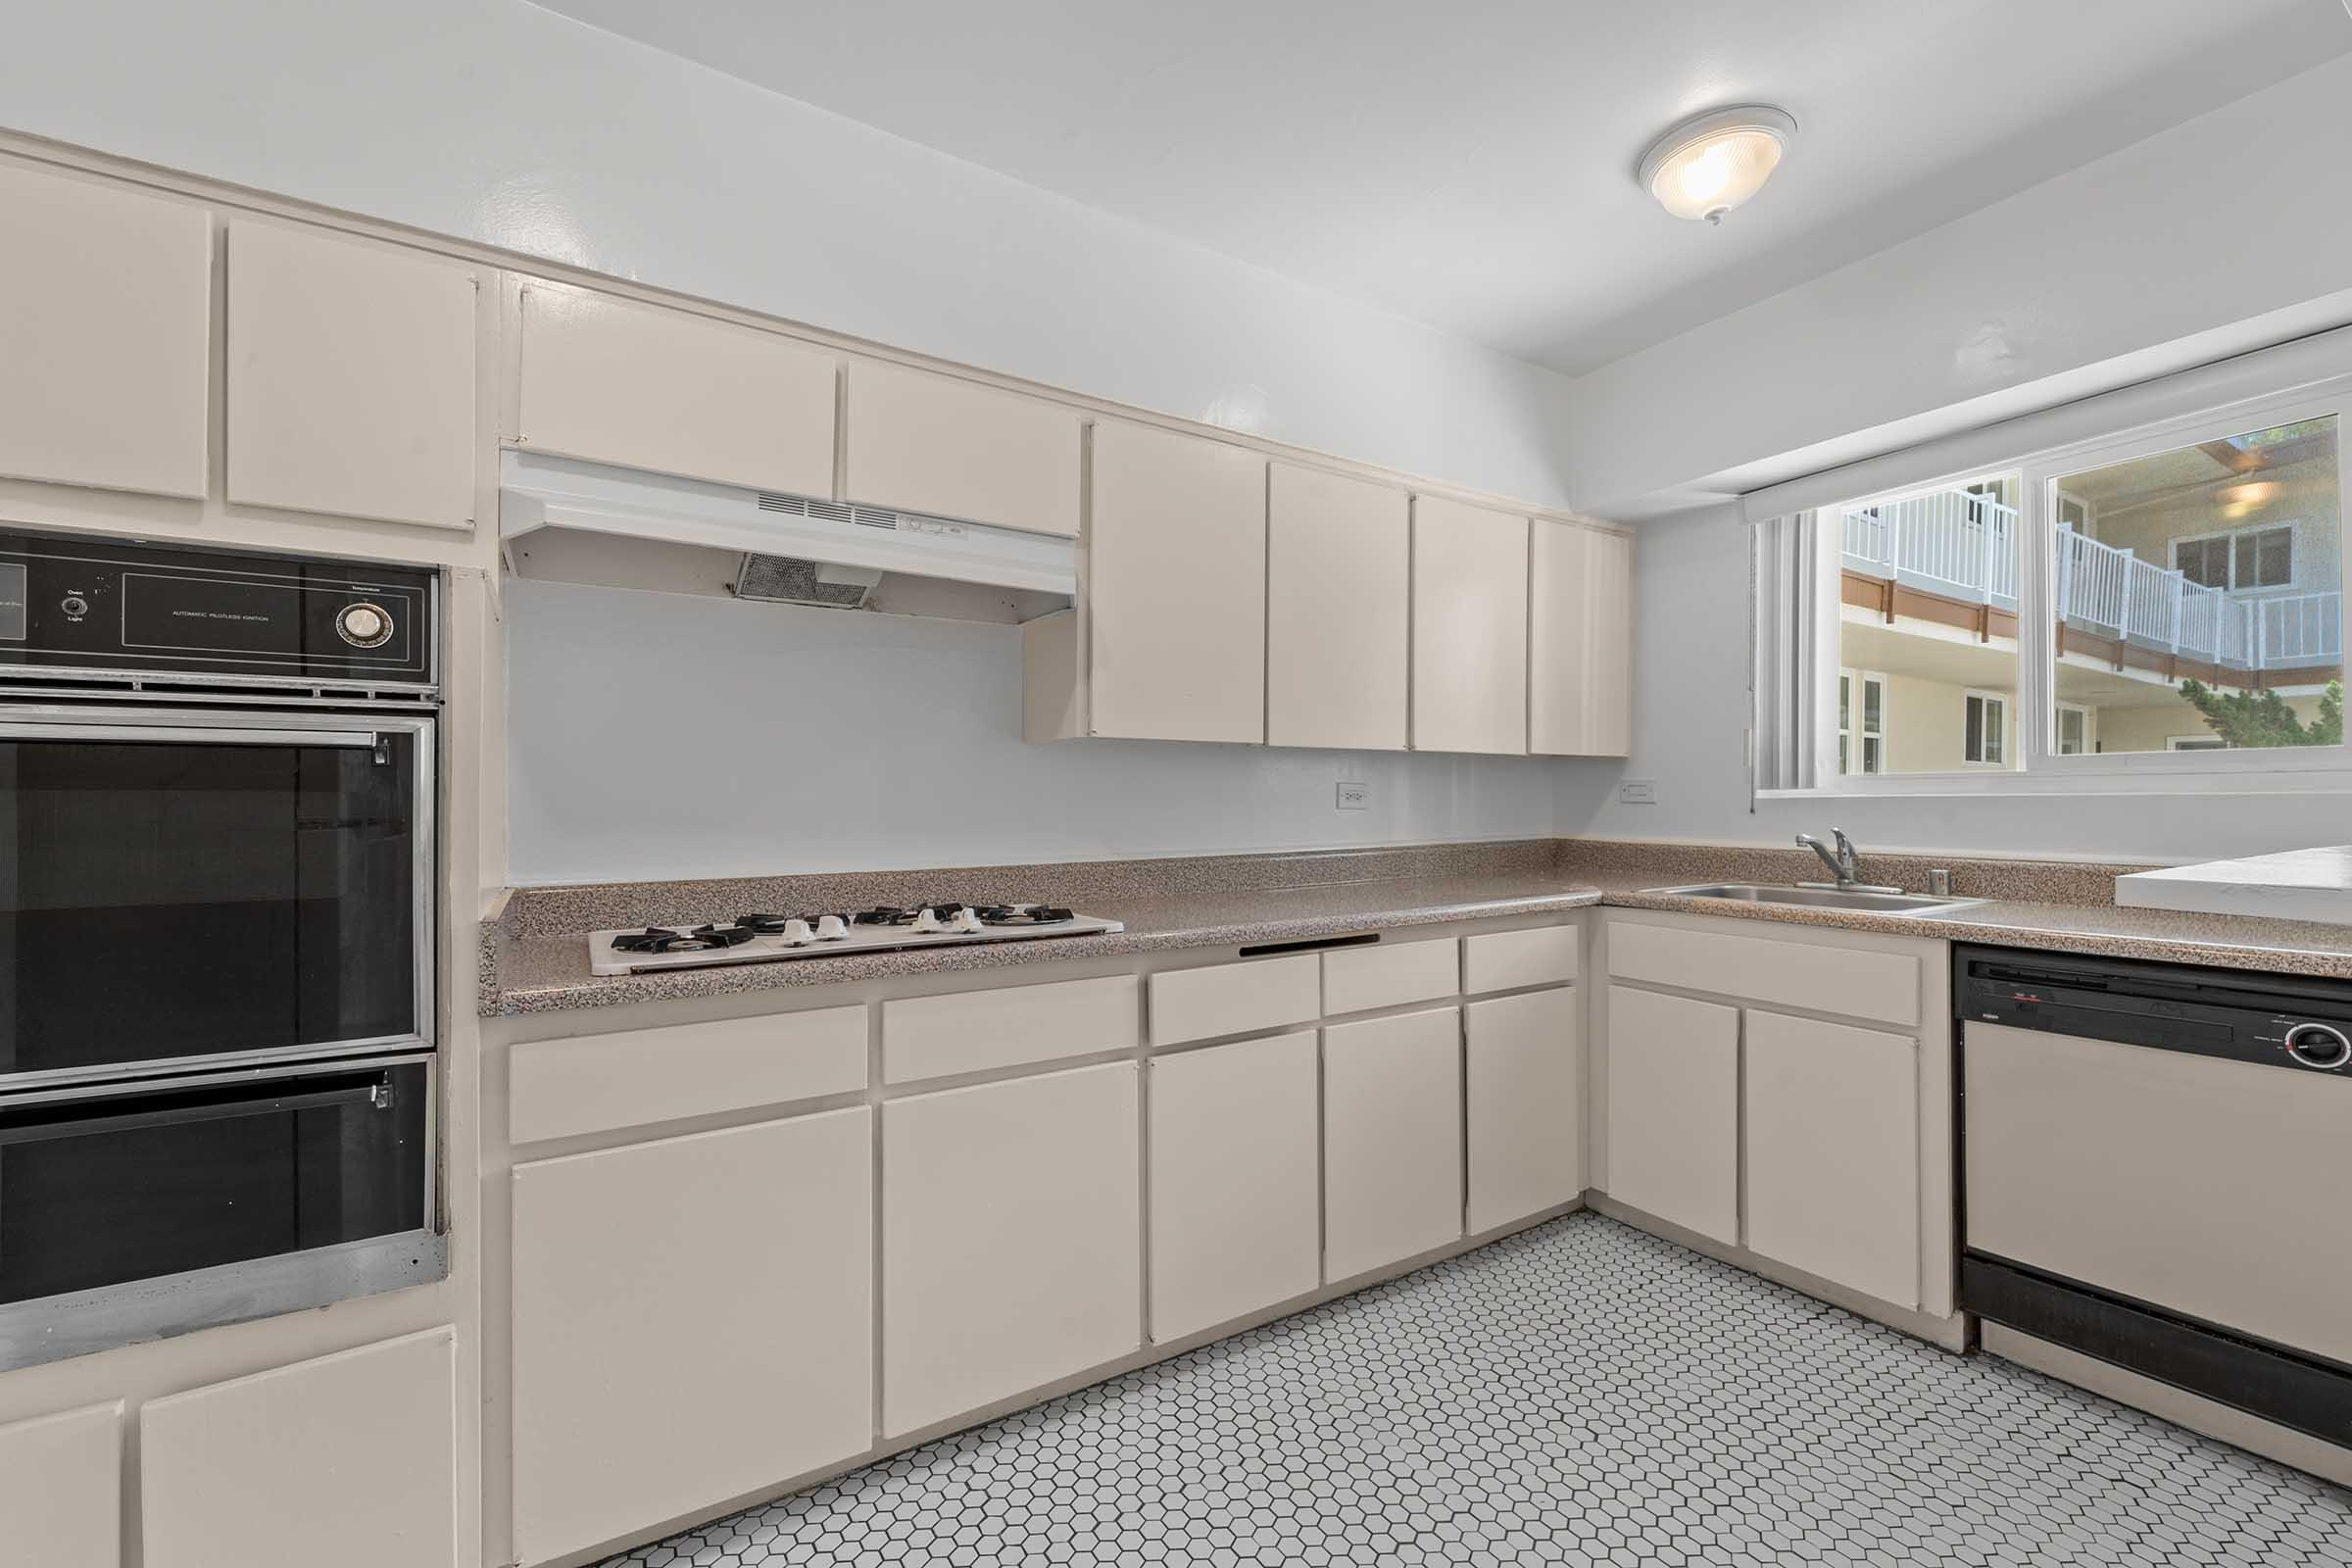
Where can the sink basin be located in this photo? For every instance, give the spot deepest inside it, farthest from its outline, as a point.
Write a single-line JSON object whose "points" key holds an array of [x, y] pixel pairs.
{"points": [[1821, 898]]}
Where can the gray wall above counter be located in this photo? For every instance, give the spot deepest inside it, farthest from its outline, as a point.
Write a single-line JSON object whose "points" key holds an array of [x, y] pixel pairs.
{"points": [[671, 735]]}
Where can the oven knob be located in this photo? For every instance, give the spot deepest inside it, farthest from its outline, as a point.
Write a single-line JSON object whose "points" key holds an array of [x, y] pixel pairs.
{"points": [[2317, 1045], [74, 606], [364, 625]]}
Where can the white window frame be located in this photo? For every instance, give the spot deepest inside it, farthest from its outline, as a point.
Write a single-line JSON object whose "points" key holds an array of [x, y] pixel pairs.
{"points": [[2174, 416], [1995, 702], [2292, 526], [1852, 732], [2090, 729]]}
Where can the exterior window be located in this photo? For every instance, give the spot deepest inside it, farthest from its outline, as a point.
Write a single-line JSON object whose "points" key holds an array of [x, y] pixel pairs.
{"points": [[1984, 734], [2254, 557], [2074, 729], [2194, 743], [1861, 722]]}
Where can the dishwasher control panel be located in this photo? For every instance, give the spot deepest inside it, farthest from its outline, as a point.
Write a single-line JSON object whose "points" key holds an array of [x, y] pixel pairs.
{"points": [[2240, 1016]]}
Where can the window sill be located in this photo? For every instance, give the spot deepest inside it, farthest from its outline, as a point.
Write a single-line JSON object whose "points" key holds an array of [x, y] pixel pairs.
{"points": [[2329, 778]]}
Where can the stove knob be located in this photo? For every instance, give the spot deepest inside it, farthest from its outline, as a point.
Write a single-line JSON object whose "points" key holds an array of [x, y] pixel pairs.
{"points": [[796, 932], [831, 928], [74, 606], [968, 920], [928, 922], [364, 625], [2318, 1045]]}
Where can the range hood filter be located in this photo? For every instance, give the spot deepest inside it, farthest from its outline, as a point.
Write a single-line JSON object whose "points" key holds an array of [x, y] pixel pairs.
{"points": [[787, 580]]}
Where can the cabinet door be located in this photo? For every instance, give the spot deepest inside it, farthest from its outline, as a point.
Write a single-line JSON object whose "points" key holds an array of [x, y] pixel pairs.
{"points": [[1011, 1239], [1337, 555], [1176, 586], [693, 1321], [642, 387], [1391, 1139], [1235, 1223], [1524, 1065], [920, 442], [106, 307], [351, 378], [1579, 642], [349, 1459], [60, 1490], [1469, 628], [1674, 1110], [1833, 1153]]}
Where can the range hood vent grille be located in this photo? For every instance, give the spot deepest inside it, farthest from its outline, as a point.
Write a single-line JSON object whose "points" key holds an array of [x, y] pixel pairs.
{"points": [[788, 580]]}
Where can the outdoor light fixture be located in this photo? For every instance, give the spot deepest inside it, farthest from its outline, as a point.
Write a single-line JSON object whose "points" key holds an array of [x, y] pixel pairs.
{"points": [[1703, 168]]}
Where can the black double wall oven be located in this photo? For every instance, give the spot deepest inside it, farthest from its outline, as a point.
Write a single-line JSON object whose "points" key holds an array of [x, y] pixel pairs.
{"points": [[218, 873]]}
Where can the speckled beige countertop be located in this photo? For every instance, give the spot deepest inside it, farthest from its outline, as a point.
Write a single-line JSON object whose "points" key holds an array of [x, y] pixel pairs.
{"points": [[534, 947]]}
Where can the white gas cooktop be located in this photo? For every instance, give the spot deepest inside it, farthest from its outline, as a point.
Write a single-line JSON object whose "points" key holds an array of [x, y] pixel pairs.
{"points": [[761, 937]]}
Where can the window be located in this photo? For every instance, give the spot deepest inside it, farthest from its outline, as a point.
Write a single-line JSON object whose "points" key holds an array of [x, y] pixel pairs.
{"points": [[1984, 731], [1861, 722], [2250, 557], [2074, 733], [2086, 612]]}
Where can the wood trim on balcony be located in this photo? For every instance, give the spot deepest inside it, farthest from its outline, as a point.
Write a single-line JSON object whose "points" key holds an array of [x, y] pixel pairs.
{"points": [[1892, 600]]}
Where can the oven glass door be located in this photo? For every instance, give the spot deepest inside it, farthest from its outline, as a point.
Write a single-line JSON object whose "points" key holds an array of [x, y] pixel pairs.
{"points": [[178, 886], [165, 1176]]}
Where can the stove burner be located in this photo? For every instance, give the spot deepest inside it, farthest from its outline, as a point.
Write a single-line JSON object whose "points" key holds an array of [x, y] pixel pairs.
{"points": [[1022, 914], [767, 925], [724, 936], [883, 914], [655, 939]]}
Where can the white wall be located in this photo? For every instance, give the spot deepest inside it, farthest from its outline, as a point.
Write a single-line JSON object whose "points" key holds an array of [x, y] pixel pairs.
{"points": [[497, 122], [2219, 234], [1691, 709], [668, 735]]}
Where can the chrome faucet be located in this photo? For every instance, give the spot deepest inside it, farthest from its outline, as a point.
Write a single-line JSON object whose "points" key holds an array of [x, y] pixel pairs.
{"points": [[1842, 864]]}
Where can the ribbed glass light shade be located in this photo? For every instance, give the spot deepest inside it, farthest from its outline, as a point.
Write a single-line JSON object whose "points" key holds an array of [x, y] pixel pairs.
{"points": [[1709, 166]]}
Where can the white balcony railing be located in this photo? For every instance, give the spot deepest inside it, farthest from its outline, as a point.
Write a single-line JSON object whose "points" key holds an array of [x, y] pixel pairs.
{"points": [[1964, 546]]}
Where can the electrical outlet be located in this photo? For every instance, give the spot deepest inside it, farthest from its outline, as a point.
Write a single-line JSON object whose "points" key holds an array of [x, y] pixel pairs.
{"points": [[1355, 797], [1638, 792]]}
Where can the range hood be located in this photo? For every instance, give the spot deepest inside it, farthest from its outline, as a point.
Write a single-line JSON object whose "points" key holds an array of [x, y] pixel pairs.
{"points": [[537, 491]]}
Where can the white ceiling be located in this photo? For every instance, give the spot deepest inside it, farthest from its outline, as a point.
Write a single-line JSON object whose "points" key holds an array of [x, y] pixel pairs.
{"points": [[1470, 164]]}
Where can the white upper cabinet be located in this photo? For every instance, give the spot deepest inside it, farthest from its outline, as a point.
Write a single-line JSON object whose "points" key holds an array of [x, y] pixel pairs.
{"points": [[105, 335], [642, 387], [1176, 584], [1469, 628], [1338, 557], [1579, 642], [351, 378], [920, 442]]}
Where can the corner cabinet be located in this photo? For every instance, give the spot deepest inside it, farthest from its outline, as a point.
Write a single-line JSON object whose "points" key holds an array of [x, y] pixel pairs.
{"points": [[1469, 628], [351, 379], [106, 299], [1580, 641]]}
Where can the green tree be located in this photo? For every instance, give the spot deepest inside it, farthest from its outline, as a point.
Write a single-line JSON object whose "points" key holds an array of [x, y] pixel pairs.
{"points": [[2262, 718]]}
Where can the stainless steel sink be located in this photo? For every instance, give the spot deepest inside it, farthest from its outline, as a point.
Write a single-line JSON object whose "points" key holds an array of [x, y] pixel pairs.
{"points": [[1821, 898]]}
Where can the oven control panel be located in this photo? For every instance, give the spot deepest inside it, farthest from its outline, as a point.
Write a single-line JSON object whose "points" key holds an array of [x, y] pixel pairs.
{"points": [[102, 605]]}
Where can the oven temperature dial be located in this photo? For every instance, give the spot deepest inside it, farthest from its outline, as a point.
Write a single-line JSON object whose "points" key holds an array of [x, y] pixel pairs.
{"points": [[364, 625], [2318, 1045]]}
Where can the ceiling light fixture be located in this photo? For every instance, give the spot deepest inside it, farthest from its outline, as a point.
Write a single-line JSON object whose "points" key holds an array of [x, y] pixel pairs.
{"points": [[1706, 167]]}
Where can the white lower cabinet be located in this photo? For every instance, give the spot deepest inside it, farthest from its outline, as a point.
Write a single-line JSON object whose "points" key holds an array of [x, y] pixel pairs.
{"points": [[693, 1321], [1524, 1068], [60, 1490], [1235, 1223], [1674, 1110], [1391, 1139], [349, 1459], [1011, 1239], [1833, 1153]]}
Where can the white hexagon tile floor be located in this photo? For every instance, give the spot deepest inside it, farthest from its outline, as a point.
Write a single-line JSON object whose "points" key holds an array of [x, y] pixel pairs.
{"points": [[1579, 1393]]}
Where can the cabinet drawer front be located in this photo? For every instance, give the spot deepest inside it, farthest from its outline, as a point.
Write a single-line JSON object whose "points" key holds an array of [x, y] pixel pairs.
{"points": [[1674, 1110], [1014, 1026], [616, 381], [1359, 979], [1832, 1152], [1505, 960], [1236, 1217], [919, 442], [60, 1488], [1880, 986], [1232, 998], [600, 1083]]}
